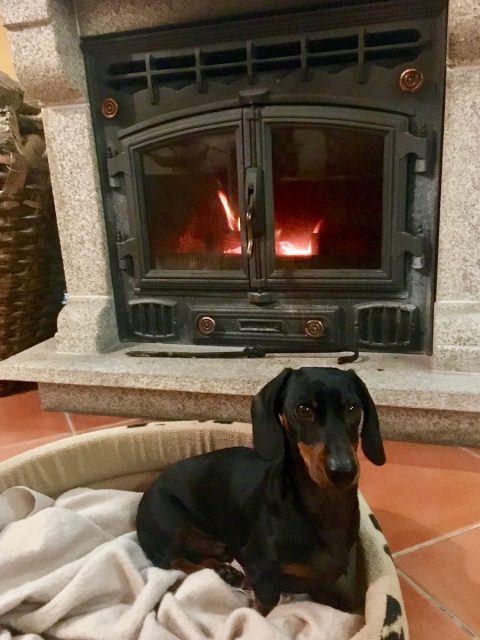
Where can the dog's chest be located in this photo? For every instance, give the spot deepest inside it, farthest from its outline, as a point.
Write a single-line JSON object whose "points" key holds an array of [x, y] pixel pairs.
{"points": [[295, 538], [322, 544]]}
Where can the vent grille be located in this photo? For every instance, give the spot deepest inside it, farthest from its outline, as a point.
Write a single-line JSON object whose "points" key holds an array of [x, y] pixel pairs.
{"points": [[153, 319], [385, 325], [229, 62]]}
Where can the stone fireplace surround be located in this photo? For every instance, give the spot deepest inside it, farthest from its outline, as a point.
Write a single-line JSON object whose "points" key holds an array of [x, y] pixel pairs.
{"points": [[84, 367]]}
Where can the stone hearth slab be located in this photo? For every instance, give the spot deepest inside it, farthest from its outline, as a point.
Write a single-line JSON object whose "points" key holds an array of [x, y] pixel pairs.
{"points": [[415, 402]]}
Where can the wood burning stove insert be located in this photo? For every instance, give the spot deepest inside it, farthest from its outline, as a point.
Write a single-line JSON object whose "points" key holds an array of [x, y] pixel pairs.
{"points": [[274, 179]]}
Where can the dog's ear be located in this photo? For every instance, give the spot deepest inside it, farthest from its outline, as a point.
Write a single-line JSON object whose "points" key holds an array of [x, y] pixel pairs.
{"points": [[268, 435], [372, 444]]}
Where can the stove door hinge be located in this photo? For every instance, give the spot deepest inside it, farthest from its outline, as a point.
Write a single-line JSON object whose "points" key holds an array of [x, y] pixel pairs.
{"points": [[127, 253], [116, 166], [409, 143], [404, 242]]}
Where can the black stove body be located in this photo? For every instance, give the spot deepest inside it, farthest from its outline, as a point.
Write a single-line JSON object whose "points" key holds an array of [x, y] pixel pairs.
{"points": [[274, 179]]}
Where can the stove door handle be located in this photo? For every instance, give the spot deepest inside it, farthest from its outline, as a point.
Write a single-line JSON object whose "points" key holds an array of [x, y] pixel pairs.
{"points": [[253, 216], [249, 230]]}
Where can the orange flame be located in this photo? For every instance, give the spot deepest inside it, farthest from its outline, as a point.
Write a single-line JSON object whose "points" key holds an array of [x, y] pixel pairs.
{"points": [[297, 247], [289, 249], [292, 247], [236, 251], [232, 220]]}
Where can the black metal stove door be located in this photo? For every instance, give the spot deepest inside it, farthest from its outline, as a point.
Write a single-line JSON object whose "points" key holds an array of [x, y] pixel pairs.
{"points": [[187, 202], [336, 197]]}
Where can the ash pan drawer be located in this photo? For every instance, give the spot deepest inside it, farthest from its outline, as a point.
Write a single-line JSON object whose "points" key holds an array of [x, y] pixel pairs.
{"points": [[239, 325]]}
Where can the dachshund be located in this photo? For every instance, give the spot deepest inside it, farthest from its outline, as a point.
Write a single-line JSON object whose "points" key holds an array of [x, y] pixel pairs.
{"points": [[286, 510]]}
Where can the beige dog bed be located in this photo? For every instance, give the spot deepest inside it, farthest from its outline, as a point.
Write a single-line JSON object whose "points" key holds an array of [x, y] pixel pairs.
{"points": [[70, 566]]}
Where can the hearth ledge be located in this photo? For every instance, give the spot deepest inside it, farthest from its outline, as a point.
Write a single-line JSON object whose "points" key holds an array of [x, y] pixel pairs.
{"points": [[415, 402]]}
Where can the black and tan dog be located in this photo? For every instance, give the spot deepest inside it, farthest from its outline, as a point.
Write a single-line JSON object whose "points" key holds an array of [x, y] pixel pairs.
{"points": [[286, 510]]}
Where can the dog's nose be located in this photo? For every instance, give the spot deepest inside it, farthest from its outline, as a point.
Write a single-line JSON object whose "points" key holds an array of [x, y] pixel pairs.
{"points": [[341, 472]]}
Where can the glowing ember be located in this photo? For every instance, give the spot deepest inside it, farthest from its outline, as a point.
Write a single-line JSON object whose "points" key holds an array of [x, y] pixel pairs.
{"points": [[232, 220], [236, 251], [300, 246], [318, 226], [290, 249]]}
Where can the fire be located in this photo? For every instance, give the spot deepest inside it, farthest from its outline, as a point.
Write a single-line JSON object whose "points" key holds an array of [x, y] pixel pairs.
{"points": [[300, 247], [303, 245], [232, 220], [236, 251], [233, 223], [286, 248]]}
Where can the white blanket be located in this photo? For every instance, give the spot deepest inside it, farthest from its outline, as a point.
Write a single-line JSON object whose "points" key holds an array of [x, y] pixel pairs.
{"points": [[72, 569]]}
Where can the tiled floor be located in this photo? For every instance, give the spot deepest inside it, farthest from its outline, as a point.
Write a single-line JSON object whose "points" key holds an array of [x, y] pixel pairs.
{"points": [[427, 499]]}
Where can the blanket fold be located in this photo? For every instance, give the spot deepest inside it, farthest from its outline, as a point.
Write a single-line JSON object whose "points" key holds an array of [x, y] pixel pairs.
{"points": [[72, 569]]}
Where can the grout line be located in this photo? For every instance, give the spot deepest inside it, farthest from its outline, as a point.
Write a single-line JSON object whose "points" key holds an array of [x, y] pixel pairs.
{"points": [[20, 442], [428, 543], [472, 453], [59, 436], [436, 603], [69, 423]]}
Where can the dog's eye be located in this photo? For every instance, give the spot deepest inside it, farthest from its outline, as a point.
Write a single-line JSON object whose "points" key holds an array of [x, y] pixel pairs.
{"points": [[354, 413], [304, 411]]}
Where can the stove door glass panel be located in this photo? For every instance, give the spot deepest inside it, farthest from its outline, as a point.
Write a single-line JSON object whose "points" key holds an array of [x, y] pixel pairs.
{"points": [[192, 205], [328, 197]]}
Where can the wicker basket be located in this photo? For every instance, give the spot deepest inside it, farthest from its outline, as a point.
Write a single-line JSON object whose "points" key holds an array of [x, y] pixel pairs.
{"points": [[31, 273]]}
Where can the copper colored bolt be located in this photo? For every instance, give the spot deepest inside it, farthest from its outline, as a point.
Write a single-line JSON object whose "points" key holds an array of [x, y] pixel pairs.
{"points": [[109, 108], [314, 328], [206, 325], [411, 80]]}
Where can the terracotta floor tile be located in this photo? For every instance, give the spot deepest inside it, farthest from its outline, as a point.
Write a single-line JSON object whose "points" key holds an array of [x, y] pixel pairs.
{"points": [[422, 492], [431, 455], [83, 422], [22, 418], [425, 620], [10, 450], [450, 572]]}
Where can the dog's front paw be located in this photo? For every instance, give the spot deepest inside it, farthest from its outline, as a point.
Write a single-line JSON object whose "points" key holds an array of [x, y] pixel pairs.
{"points": [[232, 576], [262, 608]]}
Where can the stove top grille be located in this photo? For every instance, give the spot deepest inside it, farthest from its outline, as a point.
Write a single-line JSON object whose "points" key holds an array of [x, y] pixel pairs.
{"points": [[177, 68]]}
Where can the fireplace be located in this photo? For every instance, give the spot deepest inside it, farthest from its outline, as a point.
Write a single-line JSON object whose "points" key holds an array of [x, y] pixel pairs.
{"points": [[276, 188], [274, 179]]}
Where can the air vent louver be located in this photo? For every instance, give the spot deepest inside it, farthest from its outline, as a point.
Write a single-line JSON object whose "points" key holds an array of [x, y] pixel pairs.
{"points": [[387, 326], [153, 319], [228, 62]]}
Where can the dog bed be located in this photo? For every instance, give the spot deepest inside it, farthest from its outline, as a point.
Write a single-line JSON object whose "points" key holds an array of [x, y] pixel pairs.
{"points": [[71, 568]]}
